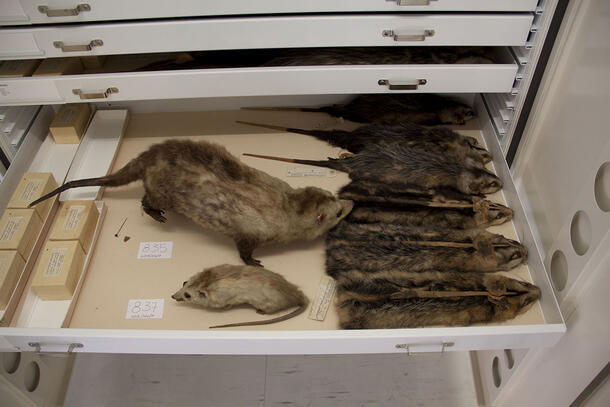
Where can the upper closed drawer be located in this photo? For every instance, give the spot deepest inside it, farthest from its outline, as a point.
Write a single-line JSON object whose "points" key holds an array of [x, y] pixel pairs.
{"points": [[62, 11], [266, 32]]}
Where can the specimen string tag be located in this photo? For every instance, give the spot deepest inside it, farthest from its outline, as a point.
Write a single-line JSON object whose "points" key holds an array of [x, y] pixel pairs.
{"points": [[324, 297], [311, 172], [155, 250], [145, 309]]}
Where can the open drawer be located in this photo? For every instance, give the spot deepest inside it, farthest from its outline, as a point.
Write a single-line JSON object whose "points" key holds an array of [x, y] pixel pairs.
{"points": [[115, 276], [266, 32], [118, 84], [50, 11]]}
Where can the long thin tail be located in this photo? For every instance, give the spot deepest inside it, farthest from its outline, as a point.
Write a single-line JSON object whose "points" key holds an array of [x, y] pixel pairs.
{"points": [[292, 314], [285, 109], [339, 138], [331, 163], [129, 173]]}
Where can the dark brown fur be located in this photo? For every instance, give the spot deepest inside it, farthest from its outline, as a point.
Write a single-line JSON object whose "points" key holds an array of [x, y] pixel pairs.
{"points": [[392, 109], [377, 247], [419, 216], [204, 182], [390, 299], [406, 169], [440, 140], [228, 286], [383, 56]]}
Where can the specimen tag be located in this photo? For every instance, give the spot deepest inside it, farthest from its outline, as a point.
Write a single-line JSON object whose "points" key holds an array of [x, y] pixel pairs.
{"points": [[145, 309], [311, 172], [155, 250], [324, 297]]}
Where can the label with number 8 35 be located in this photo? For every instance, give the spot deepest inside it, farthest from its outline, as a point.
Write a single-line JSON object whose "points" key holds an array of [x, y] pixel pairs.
{"points": [[155, 250], [145, 309]]}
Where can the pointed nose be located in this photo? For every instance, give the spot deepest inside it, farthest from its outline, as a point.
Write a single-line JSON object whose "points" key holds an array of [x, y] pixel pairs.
{"points": [[177, 298]]}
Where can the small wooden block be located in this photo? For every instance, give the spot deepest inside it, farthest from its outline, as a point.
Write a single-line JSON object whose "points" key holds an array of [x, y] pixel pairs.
{"points": [[32, 186], [18, 231], [11, 267], [58, 270], [18, 69], [76, 221], [70, 123], [59, 66]]}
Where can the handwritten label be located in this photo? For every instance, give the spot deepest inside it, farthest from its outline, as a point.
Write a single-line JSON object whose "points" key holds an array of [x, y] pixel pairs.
{"points": [[155, 250], [73, 217], [57, 258], [311, 172], [10, 228], [145, 309], [30, 191], [324, 296]]}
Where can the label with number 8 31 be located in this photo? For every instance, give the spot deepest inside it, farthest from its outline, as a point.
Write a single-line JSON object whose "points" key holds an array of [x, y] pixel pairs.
{"points": [[145, 309]]}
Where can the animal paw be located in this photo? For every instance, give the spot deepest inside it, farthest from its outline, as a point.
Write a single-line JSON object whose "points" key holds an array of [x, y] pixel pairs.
{"points": [[254, 262]]}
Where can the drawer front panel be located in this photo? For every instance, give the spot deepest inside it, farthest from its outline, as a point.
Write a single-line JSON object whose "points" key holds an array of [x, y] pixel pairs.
{"points": [[55, 11], [280, 32], [28, 92], [283, 342], [287, 81]]}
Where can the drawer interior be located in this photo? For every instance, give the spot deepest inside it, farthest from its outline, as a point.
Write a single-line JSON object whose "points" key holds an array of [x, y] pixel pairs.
{"points": [[115, 275]]}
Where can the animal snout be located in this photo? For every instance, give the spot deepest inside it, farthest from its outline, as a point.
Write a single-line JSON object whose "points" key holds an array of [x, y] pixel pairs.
{"points": [[177, 297]]}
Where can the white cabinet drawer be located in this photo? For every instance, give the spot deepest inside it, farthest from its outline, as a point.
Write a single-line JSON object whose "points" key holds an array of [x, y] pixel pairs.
{"points": [[275, 32], [263, 81], [99, 325], [54, 11]]}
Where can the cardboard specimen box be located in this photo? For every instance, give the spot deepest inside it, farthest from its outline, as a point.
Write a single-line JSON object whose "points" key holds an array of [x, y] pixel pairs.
{"points": [[19, 229], [11, 267], [18, 68], [70, 123], [59, 268], [76, 220], [59, 66], [32, 186]]}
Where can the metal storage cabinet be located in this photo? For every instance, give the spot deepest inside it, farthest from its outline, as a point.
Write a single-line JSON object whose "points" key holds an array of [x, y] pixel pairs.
{"points": [[501, 101]]}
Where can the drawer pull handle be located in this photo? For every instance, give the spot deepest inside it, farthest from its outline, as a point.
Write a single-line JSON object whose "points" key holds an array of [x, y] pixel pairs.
{"points": [[38, 347], [412, 2], [415, 348], [95, 95], [408, 37], [77, 48], [64, 12], [402, 86]]}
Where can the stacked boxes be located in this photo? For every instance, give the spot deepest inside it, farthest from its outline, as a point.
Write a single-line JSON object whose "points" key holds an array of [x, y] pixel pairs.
{"points": [[59, 268], [32, 186]]}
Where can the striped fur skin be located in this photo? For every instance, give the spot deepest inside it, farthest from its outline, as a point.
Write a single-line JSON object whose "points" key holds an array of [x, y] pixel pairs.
{"points": [[375, 247], [389, 299]]}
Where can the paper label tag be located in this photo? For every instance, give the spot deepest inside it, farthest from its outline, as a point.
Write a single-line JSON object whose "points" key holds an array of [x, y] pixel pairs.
{"points": [[311, 172], [30, 191], [155, 250], [145, 309], [56, 261], [10, 228], [75, 213], [324, 296]]}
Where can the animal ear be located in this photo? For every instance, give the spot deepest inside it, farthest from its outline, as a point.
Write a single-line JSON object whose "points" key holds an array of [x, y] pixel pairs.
{"points": [[203, 294], [321, 217]]}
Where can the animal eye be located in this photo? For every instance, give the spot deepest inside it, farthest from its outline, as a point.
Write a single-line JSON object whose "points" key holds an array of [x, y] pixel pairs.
{"points": [[187, 295], [183, 284], [202, 294], [339, 213]]}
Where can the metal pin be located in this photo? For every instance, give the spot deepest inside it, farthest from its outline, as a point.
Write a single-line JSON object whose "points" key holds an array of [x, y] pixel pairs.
{"points": [[122, 224]]}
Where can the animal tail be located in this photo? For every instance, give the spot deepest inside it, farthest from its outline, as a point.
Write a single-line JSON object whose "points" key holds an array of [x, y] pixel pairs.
{"points": [[133, 171], [285, 109], [330, 163], [292, 314]]}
